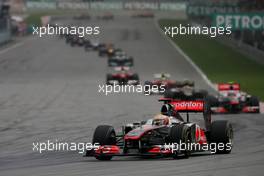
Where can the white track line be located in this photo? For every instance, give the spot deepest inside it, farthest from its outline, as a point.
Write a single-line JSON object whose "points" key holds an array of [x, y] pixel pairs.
{"points": [[3, 51], [16, 45], [261, 106], [201, 73]]}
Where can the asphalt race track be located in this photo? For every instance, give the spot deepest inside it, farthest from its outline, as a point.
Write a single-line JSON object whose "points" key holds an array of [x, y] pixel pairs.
{"points": [[49, 90]]}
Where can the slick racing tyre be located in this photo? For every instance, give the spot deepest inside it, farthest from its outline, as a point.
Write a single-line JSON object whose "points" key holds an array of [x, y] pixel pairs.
{"points": [[104, 135], [109, 77], [180, 133], [222, 134], [254, 101]]}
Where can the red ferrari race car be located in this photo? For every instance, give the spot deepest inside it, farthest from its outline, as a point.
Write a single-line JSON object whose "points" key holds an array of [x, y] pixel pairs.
{"points": [[232, 100], [122, 77], [158, 136]]}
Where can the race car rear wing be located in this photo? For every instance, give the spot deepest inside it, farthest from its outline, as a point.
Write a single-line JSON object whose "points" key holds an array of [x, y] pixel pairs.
{"points": [[186, 105], [228, 86], [193, 106]]}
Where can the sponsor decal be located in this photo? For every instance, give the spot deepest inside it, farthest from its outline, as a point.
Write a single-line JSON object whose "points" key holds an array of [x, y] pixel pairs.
{"points": [[207, 10], [240, 21], [228, 87], [188, 105]]}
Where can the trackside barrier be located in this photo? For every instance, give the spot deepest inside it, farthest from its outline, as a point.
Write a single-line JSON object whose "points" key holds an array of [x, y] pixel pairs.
{"points": [[5, 37], [41, 5], [106, 5]]}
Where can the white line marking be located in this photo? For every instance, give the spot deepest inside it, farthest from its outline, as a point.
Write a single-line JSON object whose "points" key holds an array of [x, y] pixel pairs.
{"points": [[261, 105], [11, 47], [185, 56], [16, 45]]}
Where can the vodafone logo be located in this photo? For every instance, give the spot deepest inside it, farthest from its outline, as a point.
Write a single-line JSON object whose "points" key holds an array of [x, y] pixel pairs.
{"points": [[189, 105]]}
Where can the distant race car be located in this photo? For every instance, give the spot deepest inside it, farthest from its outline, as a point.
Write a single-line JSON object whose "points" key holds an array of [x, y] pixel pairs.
{"points": [[118, 53], [165, 84], [184, 88], [160, 83], [75, 40], [106, 49], [143, 15], [232, 100], [122, 77], [158, 136], [123, 61], [91, 45]]}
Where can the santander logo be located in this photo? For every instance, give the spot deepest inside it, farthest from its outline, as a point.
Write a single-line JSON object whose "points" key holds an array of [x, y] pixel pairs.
{"points": [[189, 105]]}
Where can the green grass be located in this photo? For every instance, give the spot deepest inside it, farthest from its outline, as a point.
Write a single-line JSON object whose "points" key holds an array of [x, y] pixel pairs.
{"points": [[34, 18], [220, 62]]}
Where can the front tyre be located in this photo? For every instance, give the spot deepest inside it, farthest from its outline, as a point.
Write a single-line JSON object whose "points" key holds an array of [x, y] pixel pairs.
{"points": [[222, 135], [180, 133], [104, 135]]}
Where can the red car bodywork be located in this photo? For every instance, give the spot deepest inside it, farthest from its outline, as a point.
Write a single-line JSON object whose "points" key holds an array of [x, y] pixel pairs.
{"points": [[233, 100], [136, 134]]}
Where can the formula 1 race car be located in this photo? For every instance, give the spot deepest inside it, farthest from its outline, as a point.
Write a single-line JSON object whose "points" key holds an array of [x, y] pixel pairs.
{"points": [[75, 40], [232, 100], [163, 135], [162, 83], [122, 77], [184, 89], [116, 53], [119, 53], [118, 62], [106, 49], [143, 15], [82, 17], [91, 45], [159, 84]]}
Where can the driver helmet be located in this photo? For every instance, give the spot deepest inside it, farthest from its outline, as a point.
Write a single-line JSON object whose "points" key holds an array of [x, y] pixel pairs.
{"points": [[163, 76], [160, 119]]}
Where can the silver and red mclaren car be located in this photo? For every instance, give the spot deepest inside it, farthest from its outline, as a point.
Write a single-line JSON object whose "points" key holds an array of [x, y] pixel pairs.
{"points": [[158, 136]]}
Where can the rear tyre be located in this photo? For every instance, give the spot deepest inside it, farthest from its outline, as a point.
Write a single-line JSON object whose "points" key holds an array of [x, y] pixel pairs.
{"points": [[108, 78], [254, 101], [104, 135], [136, 78], [222, 134]]}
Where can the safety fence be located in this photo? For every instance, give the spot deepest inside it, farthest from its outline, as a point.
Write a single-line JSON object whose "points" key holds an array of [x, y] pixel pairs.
{"points": [[120, 5], [5, 34]]}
